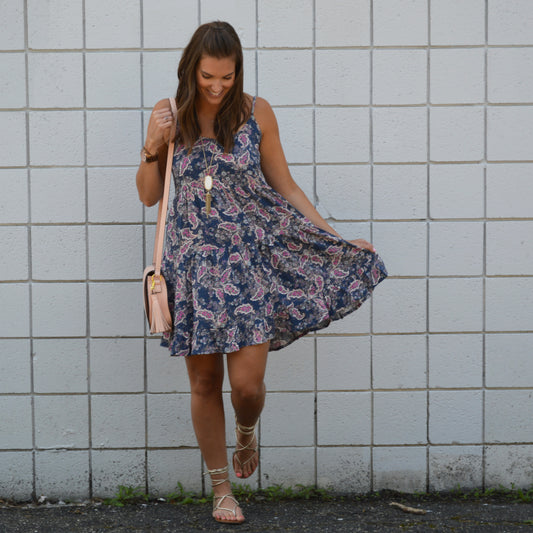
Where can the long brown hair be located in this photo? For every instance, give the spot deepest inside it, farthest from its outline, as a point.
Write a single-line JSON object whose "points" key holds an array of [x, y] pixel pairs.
{"points": [[215, 39]]}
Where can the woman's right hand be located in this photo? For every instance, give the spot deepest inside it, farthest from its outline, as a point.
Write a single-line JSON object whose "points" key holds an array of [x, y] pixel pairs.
{"points": [[158, 131]]}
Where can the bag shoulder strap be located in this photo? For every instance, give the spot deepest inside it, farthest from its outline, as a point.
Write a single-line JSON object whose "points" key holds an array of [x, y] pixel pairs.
{"points": [[163, 203]]}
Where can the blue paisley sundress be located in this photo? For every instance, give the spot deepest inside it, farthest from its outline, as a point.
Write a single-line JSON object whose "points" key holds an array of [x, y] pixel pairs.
{"points": [[254, 269]]}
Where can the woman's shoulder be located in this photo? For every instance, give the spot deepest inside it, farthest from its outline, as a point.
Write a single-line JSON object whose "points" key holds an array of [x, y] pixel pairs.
{"points": [[263, 113]]}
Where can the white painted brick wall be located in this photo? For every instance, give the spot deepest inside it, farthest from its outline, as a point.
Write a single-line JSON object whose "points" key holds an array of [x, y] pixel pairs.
{"points": [[407, 122]]}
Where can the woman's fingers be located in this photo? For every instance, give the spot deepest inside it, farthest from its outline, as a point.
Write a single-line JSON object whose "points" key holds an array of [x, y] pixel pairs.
{"points": [[361, 243], [159, 127]]}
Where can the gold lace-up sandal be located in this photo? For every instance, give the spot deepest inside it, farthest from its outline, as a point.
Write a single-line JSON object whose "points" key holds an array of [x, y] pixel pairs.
{"points": [[218, 500], [239, 447]]}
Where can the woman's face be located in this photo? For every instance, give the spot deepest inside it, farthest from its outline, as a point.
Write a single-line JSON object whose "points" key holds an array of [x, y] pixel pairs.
{"points": [[214, 78]]}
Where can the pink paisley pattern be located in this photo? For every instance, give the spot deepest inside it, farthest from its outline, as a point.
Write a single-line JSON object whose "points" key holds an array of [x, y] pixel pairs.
{"points": [[254, 269]]}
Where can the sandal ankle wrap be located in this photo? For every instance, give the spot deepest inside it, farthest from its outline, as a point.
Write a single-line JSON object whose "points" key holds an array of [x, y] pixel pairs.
{"points": [[239, 447]]}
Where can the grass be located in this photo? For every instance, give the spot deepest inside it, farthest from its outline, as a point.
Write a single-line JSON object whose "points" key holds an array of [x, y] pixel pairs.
{"points": [[134, 495]]}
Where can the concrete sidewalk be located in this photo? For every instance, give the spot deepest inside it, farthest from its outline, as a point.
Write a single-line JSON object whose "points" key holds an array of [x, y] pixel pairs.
{"points": [[341, 515]]}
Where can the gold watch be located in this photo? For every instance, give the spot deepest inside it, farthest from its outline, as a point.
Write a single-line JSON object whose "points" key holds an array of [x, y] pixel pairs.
{"points": [[147, 157]]}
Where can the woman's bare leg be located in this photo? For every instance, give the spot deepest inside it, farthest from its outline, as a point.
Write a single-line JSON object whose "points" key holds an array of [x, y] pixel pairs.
{"points": [[246, 371], [206, 374]]}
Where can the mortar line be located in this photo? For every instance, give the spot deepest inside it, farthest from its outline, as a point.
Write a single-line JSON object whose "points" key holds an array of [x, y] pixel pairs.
{"points": [[30, 262]]}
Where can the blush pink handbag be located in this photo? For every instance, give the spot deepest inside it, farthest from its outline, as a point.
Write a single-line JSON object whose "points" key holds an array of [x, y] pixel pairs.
{"points": [[154, 287]]}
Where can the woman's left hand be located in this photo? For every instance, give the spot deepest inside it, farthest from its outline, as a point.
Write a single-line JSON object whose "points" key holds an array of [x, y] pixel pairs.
{"points": [[361, 243]]}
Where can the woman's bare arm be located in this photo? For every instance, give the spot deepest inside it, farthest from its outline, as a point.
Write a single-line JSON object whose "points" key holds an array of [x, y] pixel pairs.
{"points": [[276, 171]]}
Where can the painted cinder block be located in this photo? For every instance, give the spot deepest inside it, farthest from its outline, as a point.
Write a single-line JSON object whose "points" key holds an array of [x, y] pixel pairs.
{"points": [[55, 79], [343, 363], [510, 22], [344, 469], [60, 365], [455, 305], [454, 466], [282, 24], [160, 79], [401, 308], [55, 138], [16, 475], [395, 239], [455, 360], [117, 365], [120, 28], [509, 304], [510, 466], [342, 135], [343, 418], [342, 23], [287, 466], [509, 133], [400, 417], [14, 264], [14, 200], [62, 30], [16, 416], [455, 22], [15, 366], [49, 188], [288, 419], [292, 368], [402, 469], [15, 310], [455, 417], [164, 373], [397, 22], [167, 468], [400, 192], [508, 360], [116, 309], [62, 474], [456, 248], [399, 135], [457, 76], [111, 468], [112, 196], [113, 137], [13, 138], [59, 245], [168, 23], [516, 237], [169, 421], [69, 316], [13, 76], [117, 421], [510, 190], [508, 415], [114, 252], [61, 422], [342, 77], [276, 66], [399, 77], [343, 191], [456, 133], [110, 78], [241, 15], [399, 361], [456, 191], [12, 27], [296, 133], [510, 75]]}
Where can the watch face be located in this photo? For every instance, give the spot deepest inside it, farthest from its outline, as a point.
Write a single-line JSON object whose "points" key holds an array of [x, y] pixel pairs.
{"points": [[143, 155]]}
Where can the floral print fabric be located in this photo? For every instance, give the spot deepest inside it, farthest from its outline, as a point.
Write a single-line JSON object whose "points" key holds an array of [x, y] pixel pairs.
{"points": [[254, 269]]}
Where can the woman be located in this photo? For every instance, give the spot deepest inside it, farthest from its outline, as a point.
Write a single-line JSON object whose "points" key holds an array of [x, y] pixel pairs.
{"points": [[249, 263]]}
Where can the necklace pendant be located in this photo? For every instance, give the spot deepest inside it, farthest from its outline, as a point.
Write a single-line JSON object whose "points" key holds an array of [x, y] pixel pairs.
{"points": [[208, 202], [208, 182]]}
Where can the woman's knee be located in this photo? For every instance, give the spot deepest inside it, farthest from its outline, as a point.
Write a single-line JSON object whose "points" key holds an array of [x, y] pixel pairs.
{"points": [[248, 391]]}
